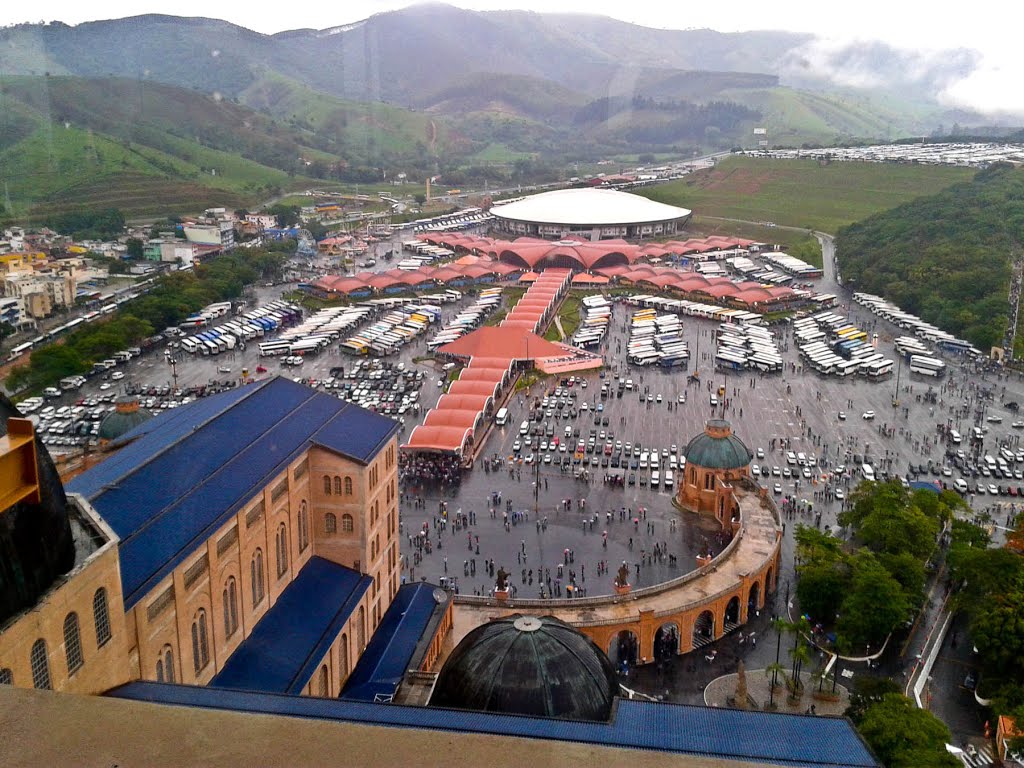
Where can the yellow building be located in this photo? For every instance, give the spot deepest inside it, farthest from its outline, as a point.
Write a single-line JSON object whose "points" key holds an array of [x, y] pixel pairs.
{"points": [[266, 507]]}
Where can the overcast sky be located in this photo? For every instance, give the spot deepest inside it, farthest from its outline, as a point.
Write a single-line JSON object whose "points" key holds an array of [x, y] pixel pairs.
{"points": [[990, 27]]}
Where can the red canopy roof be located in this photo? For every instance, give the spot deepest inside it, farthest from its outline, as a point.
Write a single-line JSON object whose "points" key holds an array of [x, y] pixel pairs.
{"points": [[446, 439], [506, 342]]}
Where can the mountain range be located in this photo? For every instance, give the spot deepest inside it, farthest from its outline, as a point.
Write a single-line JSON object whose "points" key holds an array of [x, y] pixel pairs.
{"points": [[428, 88]]}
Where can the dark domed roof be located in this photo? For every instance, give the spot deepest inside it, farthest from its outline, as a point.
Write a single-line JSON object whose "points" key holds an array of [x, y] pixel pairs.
{"points": [[528, 665], [126, 417], [717, 448]]}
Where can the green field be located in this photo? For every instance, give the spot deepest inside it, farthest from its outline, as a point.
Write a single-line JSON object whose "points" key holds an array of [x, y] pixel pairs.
{"points": [[804, 193], [794, 242]]}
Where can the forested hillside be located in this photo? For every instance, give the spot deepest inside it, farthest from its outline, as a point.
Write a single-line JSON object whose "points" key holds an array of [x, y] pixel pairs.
{"points": [[946, 257]]}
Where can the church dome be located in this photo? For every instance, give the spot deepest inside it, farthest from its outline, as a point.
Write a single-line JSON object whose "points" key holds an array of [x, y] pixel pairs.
{"points": [[126, 416], [717, 448], [528, 665]]}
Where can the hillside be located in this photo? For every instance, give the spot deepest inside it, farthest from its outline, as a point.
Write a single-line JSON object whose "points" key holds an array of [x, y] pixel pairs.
{"points": [[431, 56], [803, 193], [946, 257], [66, 139]]}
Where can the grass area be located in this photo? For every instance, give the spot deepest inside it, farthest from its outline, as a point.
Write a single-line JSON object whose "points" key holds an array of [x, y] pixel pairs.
{"points": [[496, 153], [804, 193], [569, 316]]}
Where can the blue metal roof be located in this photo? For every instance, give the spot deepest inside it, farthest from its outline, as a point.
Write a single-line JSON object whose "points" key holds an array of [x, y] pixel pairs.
{"points": [[384, 662], [187, 471], [767, 737], [290, 640]]}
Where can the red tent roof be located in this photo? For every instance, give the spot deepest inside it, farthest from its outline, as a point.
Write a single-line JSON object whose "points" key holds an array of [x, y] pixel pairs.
{"points": [[506, 342], [448, 439], [449, 417]]}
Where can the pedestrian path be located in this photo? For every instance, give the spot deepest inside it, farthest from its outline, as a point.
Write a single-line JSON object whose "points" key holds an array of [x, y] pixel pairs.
{"points": [[983, 757]]}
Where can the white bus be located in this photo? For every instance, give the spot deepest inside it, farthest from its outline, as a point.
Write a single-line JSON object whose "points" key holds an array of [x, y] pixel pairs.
{"points": [[501, 417], [926, 366], [867, 472]]}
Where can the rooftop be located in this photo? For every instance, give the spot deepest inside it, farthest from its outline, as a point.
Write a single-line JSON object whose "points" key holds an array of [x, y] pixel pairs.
{"points": [[588, 206], [386, 659], [180, 476], [758, 738], [290, 640]]}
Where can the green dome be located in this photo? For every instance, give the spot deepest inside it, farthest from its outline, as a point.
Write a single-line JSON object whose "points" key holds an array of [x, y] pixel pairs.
{"points": [[528, 665], [717, 448], [126, 416]]}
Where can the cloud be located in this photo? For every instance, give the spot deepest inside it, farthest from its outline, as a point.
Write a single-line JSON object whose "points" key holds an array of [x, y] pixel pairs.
{"points": [[875, 64]]}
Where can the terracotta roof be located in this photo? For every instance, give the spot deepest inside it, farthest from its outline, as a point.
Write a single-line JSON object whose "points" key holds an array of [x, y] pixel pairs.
{"points": [[504, 342]]}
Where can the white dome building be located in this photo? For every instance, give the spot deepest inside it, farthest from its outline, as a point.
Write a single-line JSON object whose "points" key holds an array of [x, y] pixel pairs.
{"points": [[589, 214]]}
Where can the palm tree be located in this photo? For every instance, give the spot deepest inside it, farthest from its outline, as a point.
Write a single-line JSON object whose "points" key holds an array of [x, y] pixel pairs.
{"points": [[800, 655], [773, 671]]}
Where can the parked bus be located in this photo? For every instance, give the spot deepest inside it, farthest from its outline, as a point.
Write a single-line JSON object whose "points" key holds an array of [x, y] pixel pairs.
{"points": [[927, 366], [501, 417]]}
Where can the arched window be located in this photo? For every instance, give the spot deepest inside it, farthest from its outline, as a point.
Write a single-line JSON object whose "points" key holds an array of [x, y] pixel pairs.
{"points": [[347, 524], [337, 485], [159, 670], [72, 643], [327, 485], [256, 571], [200, 642], [6, 676], [343, 657], [348, 486], [101, 616], [168, 654], [331, 523], [40, 664], [230, 607], [361, 629], [282, 550], [322, 682], [303, 526]]}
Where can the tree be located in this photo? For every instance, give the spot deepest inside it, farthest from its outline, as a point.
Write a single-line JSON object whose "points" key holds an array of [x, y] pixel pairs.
{"points": [[998, 633], [903, 736], [875, 603], [866, 691], [420, 199], [6, 329], [134, 248]]}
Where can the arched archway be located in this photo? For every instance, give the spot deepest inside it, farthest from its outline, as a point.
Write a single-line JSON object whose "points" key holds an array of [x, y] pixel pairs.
{"points": [[753, 599], [704, 629], [666, 641], [769, 585], [732, 613], [624, 648]]}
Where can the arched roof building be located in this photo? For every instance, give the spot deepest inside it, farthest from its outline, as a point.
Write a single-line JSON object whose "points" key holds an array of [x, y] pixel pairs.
{"points": [[589, 215]]}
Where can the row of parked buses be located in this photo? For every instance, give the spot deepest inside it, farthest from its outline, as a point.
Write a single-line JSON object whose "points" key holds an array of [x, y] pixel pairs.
{"points": [[597, 314], [236, 332], [117, 300], [889, 311], [316, 332], [656, 340]]}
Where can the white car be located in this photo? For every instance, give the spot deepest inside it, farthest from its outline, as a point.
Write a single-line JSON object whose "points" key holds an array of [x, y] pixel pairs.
{"points": [[777, 489], [681, 398], [224, 369], [105, 386], [760, 453], [755, 470], [994, 419], [117, 375], [839, 494], [842, 415], [993, 490], [868, 415]]}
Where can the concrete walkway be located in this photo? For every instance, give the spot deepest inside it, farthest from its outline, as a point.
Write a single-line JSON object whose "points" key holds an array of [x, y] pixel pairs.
{"points": [[721, 689], [558, 325]]}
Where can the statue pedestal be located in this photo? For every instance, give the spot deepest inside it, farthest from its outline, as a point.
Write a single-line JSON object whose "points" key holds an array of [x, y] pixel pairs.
{"points": [[502, 595], [624, 589]]}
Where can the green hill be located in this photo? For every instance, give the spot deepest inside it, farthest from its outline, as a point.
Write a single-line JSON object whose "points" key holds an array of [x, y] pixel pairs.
{"points": [[803, 193], [63, 136], [946, 257]]}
